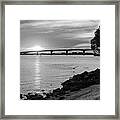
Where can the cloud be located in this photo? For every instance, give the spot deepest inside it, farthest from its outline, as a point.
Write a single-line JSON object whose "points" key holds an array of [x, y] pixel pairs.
{"points": [[84, 45], [56, 33]]}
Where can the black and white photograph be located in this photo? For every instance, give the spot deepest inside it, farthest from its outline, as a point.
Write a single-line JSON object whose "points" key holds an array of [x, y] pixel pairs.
{"points": [[59, 59]]}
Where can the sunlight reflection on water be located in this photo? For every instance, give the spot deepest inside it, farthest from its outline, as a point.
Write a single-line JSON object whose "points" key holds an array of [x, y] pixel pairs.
{"points": [[48, 72]]}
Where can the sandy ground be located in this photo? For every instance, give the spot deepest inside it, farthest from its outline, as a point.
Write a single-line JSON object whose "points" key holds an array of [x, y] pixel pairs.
{"points": [[89, 93]]}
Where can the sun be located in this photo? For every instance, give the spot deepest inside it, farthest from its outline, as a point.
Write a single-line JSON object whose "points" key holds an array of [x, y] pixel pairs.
{"points": [[37, 47]]}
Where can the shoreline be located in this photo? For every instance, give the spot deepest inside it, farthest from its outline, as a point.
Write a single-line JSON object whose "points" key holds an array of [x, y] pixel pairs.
{"points": [[84, 86]]}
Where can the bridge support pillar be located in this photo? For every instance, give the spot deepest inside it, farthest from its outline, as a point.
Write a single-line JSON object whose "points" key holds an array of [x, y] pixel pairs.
{"points": [[37, 53], [51, 52], [66, 52], [83, 52]]}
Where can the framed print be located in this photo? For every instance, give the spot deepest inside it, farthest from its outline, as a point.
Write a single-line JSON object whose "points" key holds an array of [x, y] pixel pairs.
{"points": [[59, 60]]}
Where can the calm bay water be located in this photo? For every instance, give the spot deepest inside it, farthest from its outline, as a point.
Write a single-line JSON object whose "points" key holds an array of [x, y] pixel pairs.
{"points": [[38, 73]]}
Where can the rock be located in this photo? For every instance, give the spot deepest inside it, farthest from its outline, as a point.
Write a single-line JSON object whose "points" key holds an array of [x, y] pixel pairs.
{"points": [[82, 80], [75, 83]]}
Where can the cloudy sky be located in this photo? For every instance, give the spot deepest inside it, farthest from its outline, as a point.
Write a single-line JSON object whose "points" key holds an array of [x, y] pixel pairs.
{"points": [[52, 34]]}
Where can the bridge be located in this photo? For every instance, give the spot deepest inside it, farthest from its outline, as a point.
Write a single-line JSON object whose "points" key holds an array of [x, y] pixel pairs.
{"points": [[63, 52]]}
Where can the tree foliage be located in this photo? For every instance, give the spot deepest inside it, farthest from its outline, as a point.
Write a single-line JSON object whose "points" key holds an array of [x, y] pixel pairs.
{"points": [[95, 42]]}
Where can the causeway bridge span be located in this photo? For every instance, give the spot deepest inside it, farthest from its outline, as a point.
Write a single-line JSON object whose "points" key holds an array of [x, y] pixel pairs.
{"points": [[63, 52]]}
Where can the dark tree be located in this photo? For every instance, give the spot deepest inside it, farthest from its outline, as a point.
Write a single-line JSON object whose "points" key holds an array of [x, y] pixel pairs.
{"points": [[95, 42]]}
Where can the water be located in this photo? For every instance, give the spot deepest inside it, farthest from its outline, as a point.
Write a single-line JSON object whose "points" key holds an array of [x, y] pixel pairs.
{"points": [[39, 73]]}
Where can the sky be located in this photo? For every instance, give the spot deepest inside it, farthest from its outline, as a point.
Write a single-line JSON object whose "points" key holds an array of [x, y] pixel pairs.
{"points": [[53, 34]]}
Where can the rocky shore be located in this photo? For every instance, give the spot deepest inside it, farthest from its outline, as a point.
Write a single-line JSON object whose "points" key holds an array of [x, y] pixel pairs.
{"points": [[84, 86]]}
